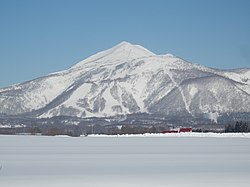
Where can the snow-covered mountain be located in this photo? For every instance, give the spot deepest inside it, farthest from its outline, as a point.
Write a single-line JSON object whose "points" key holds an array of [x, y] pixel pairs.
{"points": [[129, 79]]}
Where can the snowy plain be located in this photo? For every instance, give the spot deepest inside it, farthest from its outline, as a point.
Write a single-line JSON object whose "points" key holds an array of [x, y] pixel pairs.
{"points": [[174, 160]]}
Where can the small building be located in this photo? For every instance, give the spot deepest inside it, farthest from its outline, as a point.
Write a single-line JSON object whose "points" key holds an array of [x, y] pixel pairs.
{"points": [[185, 129]]}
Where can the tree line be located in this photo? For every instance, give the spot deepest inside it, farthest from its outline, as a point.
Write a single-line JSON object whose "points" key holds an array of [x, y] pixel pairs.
{"points": [[238, 127]]}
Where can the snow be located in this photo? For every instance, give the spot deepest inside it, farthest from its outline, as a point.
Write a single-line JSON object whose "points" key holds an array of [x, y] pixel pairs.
{"points": [[193, 91], [122, 51], [187, 105], [12, 126], [79, 93], [238, 77], [185, 134], [159, 161], [139, 91], [49, 89], [5, 126], [211, 115]]}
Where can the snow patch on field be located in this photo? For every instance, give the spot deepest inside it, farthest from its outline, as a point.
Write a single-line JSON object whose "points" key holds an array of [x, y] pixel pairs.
{"points": [[186, 134]]}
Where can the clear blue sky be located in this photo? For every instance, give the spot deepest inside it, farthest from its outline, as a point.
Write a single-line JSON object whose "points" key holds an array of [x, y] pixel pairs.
{"points": [[38, 37]]}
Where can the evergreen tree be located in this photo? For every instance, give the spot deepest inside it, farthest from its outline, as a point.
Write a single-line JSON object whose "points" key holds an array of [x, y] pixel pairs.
{"points": [[237, 127]]}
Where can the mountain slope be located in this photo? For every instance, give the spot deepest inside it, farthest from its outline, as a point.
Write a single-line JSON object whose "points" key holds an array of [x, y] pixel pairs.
{"points": [[130, 79]]}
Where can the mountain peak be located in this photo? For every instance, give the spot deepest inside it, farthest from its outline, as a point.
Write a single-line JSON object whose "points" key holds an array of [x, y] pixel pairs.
{"points": [[124, 43], [120, 52], [123, 46], [131, 48]]}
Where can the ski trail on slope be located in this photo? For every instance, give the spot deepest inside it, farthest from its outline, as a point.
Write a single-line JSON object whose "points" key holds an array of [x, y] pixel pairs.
{"points": [[180, 89]]}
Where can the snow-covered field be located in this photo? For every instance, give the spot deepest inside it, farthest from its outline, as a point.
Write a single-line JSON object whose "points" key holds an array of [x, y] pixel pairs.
{"points": [[96, 161]]}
